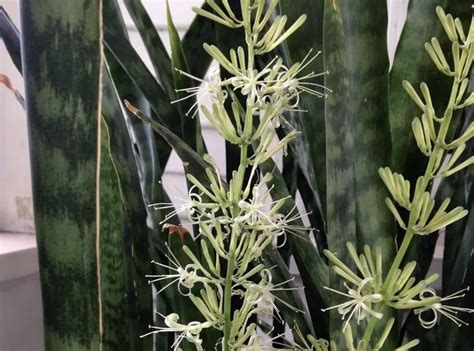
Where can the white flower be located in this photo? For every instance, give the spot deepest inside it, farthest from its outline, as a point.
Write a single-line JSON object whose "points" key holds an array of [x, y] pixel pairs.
{"points": [[359, 305], [278, 85], [439, 308], [194, 207], [263, 293], [293, 84], [210, 87], [190, 332], [262, 214], [186, 277], [258, 343], [252, 212]]}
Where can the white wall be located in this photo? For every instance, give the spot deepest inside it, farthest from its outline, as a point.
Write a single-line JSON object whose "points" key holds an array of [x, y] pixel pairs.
{"points": [[20, 295], [16, 208]]}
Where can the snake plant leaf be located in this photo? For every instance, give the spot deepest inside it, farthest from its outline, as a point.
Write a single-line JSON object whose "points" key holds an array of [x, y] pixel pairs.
{"points": [[11, 37], [341, 206], [126, 89], [367, 65], [357, 129], [312, 268], [153, 45], [120, 47], [147, 167], [118, 298], [137, 241], [315, 217], [280, 274], [456, 278], [157, 237], [187, 105], [311, 155], [62, 89], [202, 30], [459, 243], [412, 63], [152, 151], [192, 162]]}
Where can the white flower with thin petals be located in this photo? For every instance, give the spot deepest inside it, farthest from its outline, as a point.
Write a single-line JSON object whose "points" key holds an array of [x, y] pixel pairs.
{"points": [[190, 332], [210, 87], [253, 211], [258, 343], [186, 276], [263, 293], [262, 214], [293, 83], [359, 305], [440, 308], [193, 207]]}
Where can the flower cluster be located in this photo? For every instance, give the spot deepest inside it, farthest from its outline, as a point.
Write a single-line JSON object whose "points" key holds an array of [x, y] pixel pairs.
{"points": [[239, 220], [366, 292]]}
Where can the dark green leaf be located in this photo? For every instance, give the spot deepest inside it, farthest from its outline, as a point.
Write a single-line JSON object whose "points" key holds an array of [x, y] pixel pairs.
{"points": [[310, 149], [120, 47], [190, 125], [313, 270], [136, 241], [200, 31], [412, 63], [357, 130], [11, 37], [153, 44], [119, 306], [62, 88], [280, 274], [192, 162]]}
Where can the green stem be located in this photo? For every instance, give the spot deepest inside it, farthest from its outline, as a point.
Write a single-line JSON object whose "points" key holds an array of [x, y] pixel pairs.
{"points": [[234, 234], [427, 177], [228, 292], [231, 261]]}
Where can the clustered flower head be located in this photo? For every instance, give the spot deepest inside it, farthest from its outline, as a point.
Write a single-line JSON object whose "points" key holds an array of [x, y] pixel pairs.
{"points": [[366, 292], [239, 220]]}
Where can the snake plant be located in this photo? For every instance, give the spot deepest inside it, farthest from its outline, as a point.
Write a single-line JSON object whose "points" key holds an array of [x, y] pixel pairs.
{"points": [[374, 168]]}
